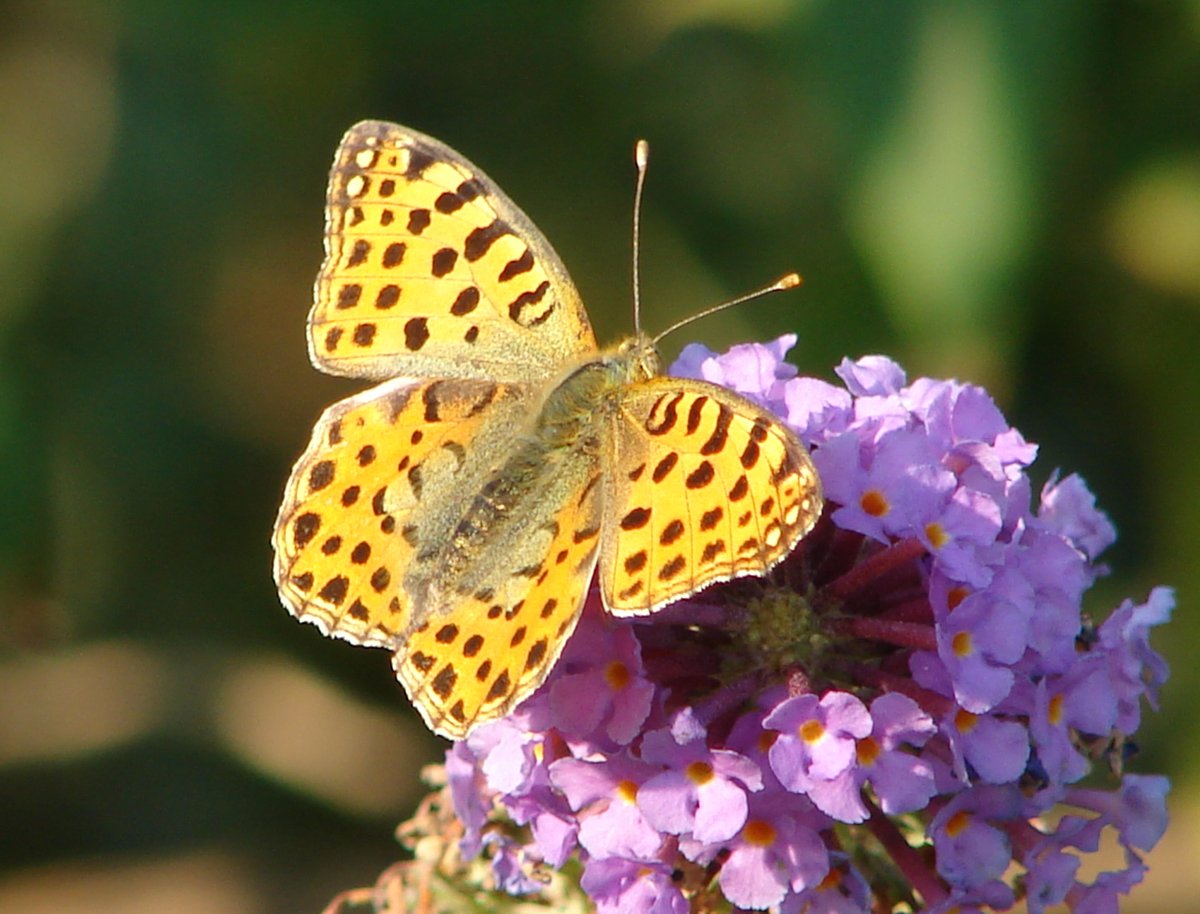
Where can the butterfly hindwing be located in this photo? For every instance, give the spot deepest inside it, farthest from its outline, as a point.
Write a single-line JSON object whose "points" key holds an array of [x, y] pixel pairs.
{"points": [[431, 271], [706, 486], [360, 498], [485, 650]]}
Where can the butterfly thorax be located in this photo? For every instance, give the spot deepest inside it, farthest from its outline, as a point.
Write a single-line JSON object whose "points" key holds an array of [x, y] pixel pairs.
{"points": [[558, 451], [590, 389]]}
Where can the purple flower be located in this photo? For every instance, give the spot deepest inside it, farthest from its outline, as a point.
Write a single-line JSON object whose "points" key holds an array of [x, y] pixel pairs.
{"points": [[817, 738], [600, 692], [611, 824], [923, 654], [1069, 509], [972, 848], [702, 792], [620, 886], [777, 851]]}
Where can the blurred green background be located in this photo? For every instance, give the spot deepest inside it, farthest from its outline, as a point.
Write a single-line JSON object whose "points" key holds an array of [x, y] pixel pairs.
{"points": [[1004, 192]]}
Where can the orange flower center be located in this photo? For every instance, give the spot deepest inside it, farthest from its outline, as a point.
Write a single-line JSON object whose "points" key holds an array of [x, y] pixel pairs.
{"points": [[811, 730], [700, 773], [867, 750], [1055, 711], [961, 644], [875, 503], [759, 833], [965, 721], [617, 675], [959, 821], [938, 537]]}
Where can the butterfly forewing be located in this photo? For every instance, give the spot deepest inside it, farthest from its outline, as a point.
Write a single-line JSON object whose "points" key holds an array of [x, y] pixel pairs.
{"points": [[706, 486], [430, 270]]}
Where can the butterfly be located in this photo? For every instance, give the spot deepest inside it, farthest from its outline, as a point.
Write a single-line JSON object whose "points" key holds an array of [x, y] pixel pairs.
{"points": [[456, 512]]}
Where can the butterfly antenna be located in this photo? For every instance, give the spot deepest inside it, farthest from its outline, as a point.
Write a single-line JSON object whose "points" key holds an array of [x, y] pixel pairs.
{"points": [[790, 281], [641, 157]]}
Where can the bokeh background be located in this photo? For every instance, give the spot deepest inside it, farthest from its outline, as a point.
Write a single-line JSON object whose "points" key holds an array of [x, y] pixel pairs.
{"points": [[1004, 192]]}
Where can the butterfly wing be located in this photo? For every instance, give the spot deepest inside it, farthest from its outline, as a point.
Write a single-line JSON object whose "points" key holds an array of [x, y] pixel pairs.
{"points": [[359, 496], [431, 271], [492, 646], [707, 486]]}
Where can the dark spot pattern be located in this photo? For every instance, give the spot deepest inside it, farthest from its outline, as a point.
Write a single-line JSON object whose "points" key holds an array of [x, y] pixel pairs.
{"points": [[393, 255], [380, 579], [516, 308], [750, 455], [418, 160], [480, 241], [472, 645], [321, 475], [335, 590], [670, 415], [443, 682], [364, 334], [448, 202], [739, 490], [500, 687], [358, 253], [671, 568], [418, 221], [720, 433], [710, 519], [635, 519], [416, 333], [664, 467], [695, 413], [443, 262], [348, 296], [387, 297], [360, 553], [701, 476], [446, 634], [466, 302], [636, 562], [516, 267], [671, 533], [304, 528], [536, 654]]}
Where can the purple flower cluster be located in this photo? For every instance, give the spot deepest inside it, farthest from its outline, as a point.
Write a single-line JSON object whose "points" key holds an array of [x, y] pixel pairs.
{"points": [[890, 719]]}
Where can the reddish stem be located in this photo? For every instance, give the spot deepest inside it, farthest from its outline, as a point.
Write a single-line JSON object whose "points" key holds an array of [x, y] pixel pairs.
{"points": [[914, 610], [907, 859], [913, 635], [865, 572], [934, 704]]}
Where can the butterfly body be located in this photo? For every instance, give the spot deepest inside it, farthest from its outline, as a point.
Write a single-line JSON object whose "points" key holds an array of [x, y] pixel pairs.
{"points": [[456, 512]]}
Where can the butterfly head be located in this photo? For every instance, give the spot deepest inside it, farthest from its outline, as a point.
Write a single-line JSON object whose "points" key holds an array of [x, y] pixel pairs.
{"points": [[637, 358]]}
